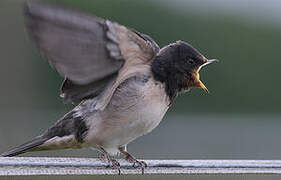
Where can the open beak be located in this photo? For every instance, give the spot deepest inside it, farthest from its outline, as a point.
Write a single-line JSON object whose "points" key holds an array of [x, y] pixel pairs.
{"points": [[197, 82]]}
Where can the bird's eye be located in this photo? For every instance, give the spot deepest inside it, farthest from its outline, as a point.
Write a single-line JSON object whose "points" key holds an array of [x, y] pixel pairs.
{"points": [[190, 61]]}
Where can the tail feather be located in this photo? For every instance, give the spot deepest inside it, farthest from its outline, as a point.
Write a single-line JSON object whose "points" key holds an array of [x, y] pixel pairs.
{"points": [[28, 146]]}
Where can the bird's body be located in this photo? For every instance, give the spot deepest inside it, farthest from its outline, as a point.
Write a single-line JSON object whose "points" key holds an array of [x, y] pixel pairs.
{"points": [[120, 79], [133, 111]]}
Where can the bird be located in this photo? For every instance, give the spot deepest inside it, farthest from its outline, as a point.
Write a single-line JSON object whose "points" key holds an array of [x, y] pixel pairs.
{"points": [[120, 81]]}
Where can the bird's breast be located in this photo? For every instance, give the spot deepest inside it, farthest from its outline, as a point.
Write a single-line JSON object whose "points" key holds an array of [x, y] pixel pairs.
{"points": [[151, 109], [135, 109], [141, 106]]}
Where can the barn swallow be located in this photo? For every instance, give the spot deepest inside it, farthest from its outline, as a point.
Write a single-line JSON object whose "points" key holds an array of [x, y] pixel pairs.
{"points": [[121, 82]]}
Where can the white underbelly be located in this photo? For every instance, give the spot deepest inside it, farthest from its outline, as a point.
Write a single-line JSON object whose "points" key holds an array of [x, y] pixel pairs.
{"points": [[134, 124], [143, 121]]}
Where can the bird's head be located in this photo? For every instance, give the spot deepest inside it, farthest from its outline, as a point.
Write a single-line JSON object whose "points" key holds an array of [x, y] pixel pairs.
{"points": [[177, 65]]}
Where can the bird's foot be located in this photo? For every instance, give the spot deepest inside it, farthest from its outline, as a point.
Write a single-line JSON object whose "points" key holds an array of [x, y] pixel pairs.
{"points": [[132, 159], [112, 163], [102, 157], [136, 163]]}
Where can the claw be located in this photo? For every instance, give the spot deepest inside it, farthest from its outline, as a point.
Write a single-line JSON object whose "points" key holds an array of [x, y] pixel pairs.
{"points": [[142, 164], [112, 163], [115, 164], [132, 159]]}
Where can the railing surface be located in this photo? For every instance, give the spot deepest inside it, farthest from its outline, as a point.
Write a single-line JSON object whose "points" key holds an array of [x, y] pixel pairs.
{"points": [[10, 166]]}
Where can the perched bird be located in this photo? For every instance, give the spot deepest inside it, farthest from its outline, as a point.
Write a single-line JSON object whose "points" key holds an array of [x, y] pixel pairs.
{"points": [[120, 80]]}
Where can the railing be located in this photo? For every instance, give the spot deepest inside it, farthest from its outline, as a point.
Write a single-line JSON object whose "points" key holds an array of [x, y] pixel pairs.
{"points": [[82, 166]]}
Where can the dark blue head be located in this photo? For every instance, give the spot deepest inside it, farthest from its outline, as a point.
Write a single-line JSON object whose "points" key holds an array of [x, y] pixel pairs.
{"points": [[177, 65]]}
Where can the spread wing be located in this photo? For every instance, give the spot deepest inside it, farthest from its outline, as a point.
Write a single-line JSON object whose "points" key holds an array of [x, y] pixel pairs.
{"points": [[94, 55]]}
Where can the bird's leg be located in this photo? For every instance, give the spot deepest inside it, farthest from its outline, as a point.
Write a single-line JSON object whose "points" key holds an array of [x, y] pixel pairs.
{"points": [[112, 162], [132, 159], [102, 157]]}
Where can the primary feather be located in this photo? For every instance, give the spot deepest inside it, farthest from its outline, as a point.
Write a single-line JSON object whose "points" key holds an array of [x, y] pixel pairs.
{"points": [[88, 51]]}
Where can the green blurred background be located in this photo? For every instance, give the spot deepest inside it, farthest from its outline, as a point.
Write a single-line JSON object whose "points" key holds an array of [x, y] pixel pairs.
{"points": [[239, 119]]}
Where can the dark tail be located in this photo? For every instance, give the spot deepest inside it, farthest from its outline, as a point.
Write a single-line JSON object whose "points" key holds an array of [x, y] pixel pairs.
{"points": [[28, 146]]}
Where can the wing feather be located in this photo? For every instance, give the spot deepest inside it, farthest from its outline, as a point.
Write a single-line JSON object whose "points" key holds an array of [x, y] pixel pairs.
{"points": [[92, 54]]}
